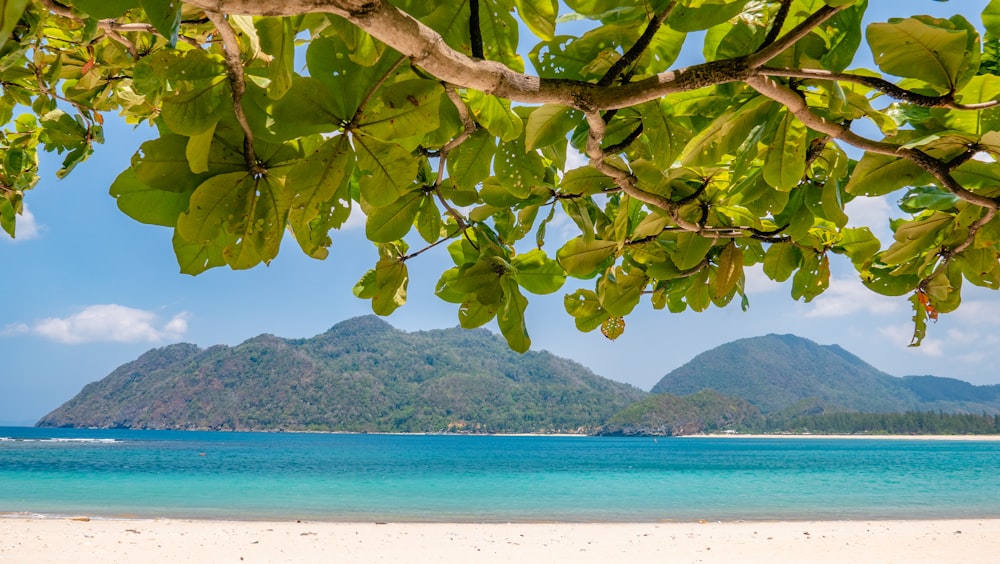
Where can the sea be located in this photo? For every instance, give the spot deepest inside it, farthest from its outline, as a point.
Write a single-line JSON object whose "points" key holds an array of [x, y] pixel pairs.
{"points": [[449, 478]]}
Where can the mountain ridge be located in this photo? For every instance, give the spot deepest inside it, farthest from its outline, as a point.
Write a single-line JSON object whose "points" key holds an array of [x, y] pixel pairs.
{"points": [[789, 374], [361, 375]]}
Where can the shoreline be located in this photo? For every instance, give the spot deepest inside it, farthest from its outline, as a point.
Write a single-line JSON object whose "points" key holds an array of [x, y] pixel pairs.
{"points": [[51, 539], [843, 436]]}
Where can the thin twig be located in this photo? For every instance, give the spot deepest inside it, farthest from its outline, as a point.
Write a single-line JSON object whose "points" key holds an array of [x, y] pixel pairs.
{"points": [[883, 86], [950, 254], [475, 31], [940, 170], [768, 52], [778, 23], [641, 44]]}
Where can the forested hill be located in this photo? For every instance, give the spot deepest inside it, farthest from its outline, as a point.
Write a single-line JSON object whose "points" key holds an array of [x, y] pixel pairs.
{"points": [[791, 375], [361, 375]]}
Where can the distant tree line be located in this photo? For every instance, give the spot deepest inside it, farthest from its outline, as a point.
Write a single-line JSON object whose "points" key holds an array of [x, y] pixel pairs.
{"points": [[908, 423]]}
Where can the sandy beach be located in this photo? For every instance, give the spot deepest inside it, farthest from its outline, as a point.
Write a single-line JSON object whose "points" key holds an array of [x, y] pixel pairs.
{"points": [[36, 540]]}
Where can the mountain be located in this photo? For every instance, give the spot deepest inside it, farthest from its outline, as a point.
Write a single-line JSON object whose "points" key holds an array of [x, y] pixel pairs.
{"points": [[789, 375], [362, 375]]}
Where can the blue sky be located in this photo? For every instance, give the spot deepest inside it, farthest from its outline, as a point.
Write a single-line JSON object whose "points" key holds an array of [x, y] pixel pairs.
{"points": [[88, 289]]}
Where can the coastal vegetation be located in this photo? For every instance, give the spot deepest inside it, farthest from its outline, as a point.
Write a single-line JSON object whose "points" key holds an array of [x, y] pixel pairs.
{"points": [[363, 375], [275, 117]]}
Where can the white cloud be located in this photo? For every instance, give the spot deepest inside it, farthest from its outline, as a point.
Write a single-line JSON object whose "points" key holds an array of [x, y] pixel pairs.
{"points": [[903, 333], [105, 323], [847, 296], [575, 159], [757, 282], [873, 213], [26, 228], [977, 313]]}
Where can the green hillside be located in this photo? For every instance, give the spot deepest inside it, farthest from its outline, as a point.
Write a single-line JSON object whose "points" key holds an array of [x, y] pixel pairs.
{"points": [[362, 375], [788, 375], [668, 415]]}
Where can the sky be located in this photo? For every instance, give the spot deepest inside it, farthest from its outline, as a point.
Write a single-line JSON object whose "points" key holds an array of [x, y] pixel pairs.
{"points": [[88, 289]]}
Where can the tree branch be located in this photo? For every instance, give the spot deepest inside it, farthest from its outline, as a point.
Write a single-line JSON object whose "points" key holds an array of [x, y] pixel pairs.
{"points": [[475, 31], [795, 104], [626, 182], [770, 51], [883, 86], [234, 71], [778, 23], [950, 254], [641, 44]]}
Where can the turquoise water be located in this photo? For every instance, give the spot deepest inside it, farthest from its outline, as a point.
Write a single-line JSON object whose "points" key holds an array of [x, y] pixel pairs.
{"points": [[490, 478]]}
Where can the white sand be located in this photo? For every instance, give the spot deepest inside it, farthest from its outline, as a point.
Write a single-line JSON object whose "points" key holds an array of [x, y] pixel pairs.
{"points": [[38, 540]]}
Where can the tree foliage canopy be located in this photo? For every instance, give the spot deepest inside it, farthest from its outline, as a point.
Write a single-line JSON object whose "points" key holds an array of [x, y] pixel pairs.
{"points": [[426, 117]]}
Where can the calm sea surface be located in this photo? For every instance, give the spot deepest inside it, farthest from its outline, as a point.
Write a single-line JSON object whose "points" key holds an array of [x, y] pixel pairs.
{"points": [[488, 479]]}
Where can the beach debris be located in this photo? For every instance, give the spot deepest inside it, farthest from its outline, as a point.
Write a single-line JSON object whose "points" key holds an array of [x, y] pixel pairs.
{"points": [[82, 518]]}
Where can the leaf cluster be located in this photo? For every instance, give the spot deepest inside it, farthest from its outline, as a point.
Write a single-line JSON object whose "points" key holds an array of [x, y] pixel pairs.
{"points": [[426, 119]]}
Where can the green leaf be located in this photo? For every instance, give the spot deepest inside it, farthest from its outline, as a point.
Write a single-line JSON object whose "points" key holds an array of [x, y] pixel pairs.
{"points": [[393, 221], [691, 250], [991, 17], [144, 203], [539, 16], [495, 115], [391, 280], [510, 317], [319, 183], [916, 237], [620, 293], [405, 109], [101, 9], [877, 175], [165, 15], [195, 258], [388, 170], [548, 124], [781, 260], [472, 314], [584, 306], [537, 273], [665, 132], [582, 258], [198, 149], [470, 163], [785, 160], [517, 169], [309, 107], [613, 327], [585, 181], [197, 109], [277, 39], [859, 244], [727, 132], [328, 61], [730, 270], [922, 49], [429, 223], [10, 13], [251, 210], [696, 15], [812, 278], [923, 198]]}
